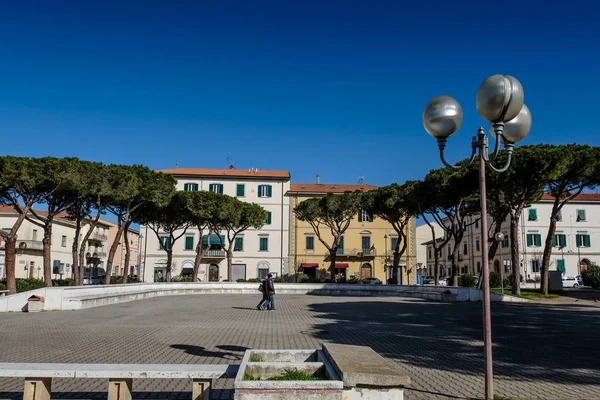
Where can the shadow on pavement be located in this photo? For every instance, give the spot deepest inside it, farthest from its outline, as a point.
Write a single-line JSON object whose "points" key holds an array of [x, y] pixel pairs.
{"points": [[532, 342], [231, 353]]}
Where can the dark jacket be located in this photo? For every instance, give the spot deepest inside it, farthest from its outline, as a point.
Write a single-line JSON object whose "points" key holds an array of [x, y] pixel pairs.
{"points": [[269, 287]]}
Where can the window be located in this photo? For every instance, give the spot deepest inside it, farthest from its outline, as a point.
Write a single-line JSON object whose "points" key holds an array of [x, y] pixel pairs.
{"points": [[558, 216], [264, 244], [478, 266], [34, 236], [366, 243], [268, 222], [164, 243], [535, 265], [63, 241], [477, 245], [239, 244], [505, 241], [429, 252], [476, 223], [465, 249], [265, 191], [560, 265], [189, 243], [216, 188], [190, 187], [364, 216], [340, 249], [559, 240], [395, 243], [580, 215], [532, 214], [240, 190], [310, 243], [534, 240], [582, 240]]}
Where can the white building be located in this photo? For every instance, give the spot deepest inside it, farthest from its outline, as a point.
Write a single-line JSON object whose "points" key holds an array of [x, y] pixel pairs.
{"points": [[256, 251], [29, 261], [423, 235], [576, 243]]}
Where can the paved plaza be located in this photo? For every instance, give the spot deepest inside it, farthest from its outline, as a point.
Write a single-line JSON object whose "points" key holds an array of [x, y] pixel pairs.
{"points": [[541, 351]]}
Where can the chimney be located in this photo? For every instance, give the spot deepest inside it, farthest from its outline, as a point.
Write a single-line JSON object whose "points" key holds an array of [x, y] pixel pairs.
{"points": [[318, 179]]}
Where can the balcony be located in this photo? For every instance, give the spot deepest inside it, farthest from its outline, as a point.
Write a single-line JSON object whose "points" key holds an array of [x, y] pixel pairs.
{"points": [[29, 245], [356, 252], [98, 237], [215, 253]]}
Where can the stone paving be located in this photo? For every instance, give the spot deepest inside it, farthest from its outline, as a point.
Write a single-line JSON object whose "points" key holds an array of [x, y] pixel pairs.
{"points": [[542, 351]]}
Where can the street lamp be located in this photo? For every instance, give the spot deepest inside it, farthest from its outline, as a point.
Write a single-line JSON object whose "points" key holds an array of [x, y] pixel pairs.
{"points": [[385, 260], [499, 101]]}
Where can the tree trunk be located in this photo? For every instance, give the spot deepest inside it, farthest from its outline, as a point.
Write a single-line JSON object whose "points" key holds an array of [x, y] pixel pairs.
{"points": [[332, 256], [10, 261], [514, 252], [230, 263], [113, 250], [436, 266], [198, 259], [455, 267], [169, 264], [127, 255], [395, 265], [547, 254], [75, 252], [47, 245]]}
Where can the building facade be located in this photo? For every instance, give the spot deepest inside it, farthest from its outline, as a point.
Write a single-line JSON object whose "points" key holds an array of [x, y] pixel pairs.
{"points": [[134, 239], [366, 247], [29, 260], [576, 243], [423, 235], [256, 251]]}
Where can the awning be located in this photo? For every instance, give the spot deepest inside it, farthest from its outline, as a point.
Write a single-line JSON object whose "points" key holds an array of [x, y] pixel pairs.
{"points": [[187, 271], [309, 265], [341, 265], [214, 239]]}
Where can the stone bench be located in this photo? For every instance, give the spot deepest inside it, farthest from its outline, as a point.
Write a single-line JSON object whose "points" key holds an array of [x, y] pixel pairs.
{"points": [[38, 377], [366, 374]]}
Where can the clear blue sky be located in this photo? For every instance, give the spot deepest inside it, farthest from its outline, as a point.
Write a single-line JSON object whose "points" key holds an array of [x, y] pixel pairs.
{"points": [[335, 88]]}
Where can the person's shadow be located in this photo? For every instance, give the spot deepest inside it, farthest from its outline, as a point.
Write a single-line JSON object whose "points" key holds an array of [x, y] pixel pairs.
{"points": [[229, 353]]}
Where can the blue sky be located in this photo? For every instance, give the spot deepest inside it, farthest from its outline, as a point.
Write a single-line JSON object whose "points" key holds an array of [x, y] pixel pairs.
{"points": [[335, 88]]}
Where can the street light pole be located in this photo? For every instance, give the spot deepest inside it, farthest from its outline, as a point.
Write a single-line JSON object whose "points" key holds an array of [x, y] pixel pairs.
{"points": [[385, 260], [500, 100], [499, 238]]}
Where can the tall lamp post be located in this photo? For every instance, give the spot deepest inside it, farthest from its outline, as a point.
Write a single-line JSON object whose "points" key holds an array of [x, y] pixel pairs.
{"points": [[499, 101]]}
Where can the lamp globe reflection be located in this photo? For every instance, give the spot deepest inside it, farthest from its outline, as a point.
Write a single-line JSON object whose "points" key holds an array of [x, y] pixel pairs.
{"points": [[500, 98], [442, 117], [517, 128]]}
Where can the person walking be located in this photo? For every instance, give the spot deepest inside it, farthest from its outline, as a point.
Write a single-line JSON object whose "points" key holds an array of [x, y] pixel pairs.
{"points": [[265, 299], [270, 292]]}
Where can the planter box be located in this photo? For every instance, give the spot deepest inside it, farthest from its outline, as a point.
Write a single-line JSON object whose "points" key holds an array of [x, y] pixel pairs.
{"points": [[276, 362]]}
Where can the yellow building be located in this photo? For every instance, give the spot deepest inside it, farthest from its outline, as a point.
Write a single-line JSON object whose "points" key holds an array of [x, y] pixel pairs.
{"points": [[366, 247]]}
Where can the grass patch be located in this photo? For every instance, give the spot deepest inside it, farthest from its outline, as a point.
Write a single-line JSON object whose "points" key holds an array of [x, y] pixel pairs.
{"points": [[256, 358], [529, 294], [290, 375]]}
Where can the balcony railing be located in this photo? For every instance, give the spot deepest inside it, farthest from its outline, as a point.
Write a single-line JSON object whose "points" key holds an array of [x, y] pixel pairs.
{"points": [[29, 245], [216, 253], [357, 252], [100, 237]]}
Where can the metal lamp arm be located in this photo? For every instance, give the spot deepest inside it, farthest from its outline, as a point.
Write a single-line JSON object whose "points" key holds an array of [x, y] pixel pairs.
{"points": [[442, 145], [509, 147]]}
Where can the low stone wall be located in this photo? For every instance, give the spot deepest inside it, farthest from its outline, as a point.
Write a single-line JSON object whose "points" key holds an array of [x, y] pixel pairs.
{"points": [[81, 297]]}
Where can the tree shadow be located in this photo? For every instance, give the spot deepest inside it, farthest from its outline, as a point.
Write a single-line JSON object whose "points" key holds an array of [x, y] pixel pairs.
{"points": [[548, 342], [200, 351]]}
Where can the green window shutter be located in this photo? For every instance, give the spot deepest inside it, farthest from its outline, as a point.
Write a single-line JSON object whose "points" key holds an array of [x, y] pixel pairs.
{"points": [[580, 215], [539, 239], [529, 240], [578, 240], [239, 244], [310, 243], [264, 244], [186, 187], [587, 241], [268, 217], [560, 265], [269, 191], [554, 240], [189, 243], [240, 190], [563, 239], [532, 214]]}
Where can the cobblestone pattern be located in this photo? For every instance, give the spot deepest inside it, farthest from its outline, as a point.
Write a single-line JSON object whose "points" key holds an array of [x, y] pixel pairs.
{"points": [[540, 351]]}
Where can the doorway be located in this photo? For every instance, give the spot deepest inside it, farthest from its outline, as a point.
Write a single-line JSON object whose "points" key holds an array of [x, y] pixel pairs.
{"points": [[366, 271], [213, 273]]}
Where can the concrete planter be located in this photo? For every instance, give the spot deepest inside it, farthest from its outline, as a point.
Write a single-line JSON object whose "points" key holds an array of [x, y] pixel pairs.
{"points": [[275, 362]]}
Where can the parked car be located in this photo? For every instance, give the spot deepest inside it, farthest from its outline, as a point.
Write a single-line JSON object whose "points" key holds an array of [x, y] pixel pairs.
{"points": [[94, 280], [444, 280], [579, 280], [570, 282], [372, 281]]}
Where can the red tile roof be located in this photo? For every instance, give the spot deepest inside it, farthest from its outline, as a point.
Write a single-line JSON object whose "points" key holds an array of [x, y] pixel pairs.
{"points": [[580, 197], [226, 172], [328, 188]]}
